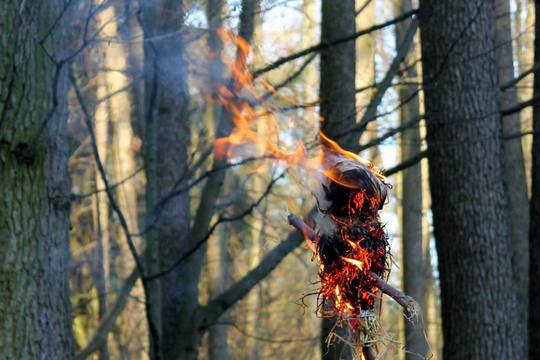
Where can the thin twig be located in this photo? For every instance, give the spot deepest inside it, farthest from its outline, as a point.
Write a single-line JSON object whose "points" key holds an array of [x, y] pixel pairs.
{"points": [[327, 44]]}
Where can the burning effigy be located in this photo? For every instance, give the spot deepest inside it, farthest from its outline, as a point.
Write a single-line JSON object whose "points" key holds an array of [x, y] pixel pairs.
{"points": [[351, 246], [348, 241], [352, 241]]}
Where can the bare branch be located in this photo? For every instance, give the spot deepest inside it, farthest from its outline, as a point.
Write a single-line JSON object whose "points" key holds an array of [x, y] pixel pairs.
{"points": [[216, 169], [103, 174], [520, 134], [362, 7], [327, 44], [293, 76], [520, 106], [112, 186], [520, 77], [210, 313], [385, 84], [413, 160], [410, 124]]}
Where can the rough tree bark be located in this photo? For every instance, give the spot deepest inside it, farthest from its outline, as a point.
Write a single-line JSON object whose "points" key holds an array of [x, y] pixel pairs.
{"points": [[174, 295], [338, 107], [534, 236], [464, 150], [337, 84], [514, 175], [35, 316], [414, 269]]}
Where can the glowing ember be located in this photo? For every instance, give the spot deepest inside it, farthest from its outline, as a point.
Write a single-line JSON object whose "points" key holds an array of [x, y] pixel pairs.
{"points": [[359, 264]]}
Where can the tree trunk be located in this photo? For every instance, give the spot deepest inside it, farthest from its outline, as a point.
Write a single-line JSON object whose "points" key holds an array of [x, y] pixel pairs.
{"points": [[115, 111], [174, 295], [525, 60], [534, 237], [310, 76], [365, 74], [101, 129], [414, 269], [216, 256], [101, 125], [337, 86], [250, 28], [337, 94], [35, 316], [432, 309], [514, 176], [218, 271], [463, 134]]}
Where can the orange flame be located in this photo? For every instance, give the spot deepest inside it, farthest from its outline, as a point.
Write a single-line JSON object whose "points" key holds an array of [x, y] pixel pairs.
{"points": [[332, 152], [358, 263], [249, 111]]}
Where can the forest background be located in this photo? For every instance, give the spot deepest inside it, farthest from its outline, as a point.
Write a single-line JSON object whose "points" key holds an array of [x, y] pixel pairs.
{"points": [[125, 235]]}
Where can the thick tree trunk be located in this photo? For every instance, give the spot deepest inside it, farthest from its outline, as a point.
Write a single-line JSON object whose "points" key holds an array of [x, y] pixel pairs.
{"points": [[463, 134], [35, 317], [534, 237], [337, 86], [337, 94], [174, 295], [514, 175], [414, 269]]}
